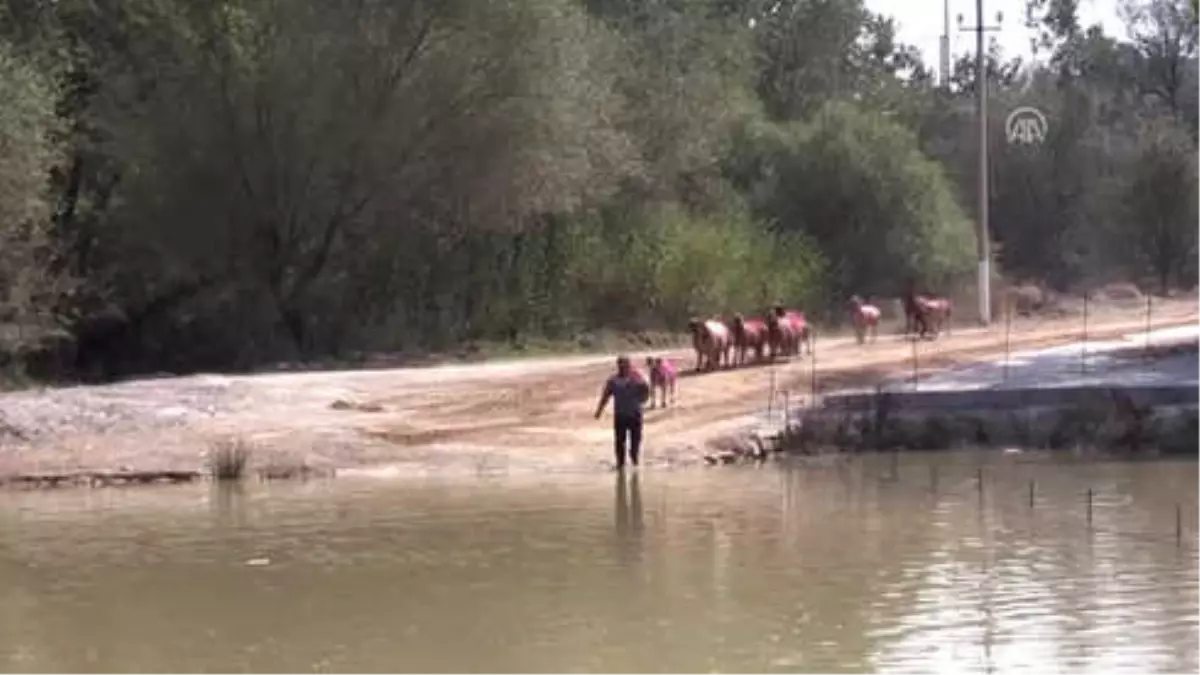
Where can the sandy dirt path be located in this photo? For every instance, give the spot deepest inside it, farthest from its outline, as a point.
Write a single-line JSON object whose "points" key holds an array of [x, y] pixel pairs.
{"points": [[523, 415]]}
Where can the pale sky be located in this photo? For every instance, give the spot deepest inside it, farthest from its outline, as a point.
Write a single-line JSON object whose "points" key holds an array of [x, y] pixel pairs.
{"points": [[920, 23]]}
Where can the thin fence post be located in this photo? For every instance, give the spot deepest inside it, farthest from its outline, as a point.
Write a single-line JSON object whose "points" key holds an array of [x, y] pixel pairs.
{"points": [[1149, 311], [1031, 493], [1089, 507], [1007, 335], [787, 409], [771, 395], [1083, 345], [916, 367], [812, 353], [979, 481], [1178, 525]]}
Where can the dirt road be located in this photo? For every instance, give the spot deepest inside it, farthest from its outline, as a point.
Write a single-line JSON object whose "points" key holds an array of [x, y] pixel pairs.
{"points": [[512, 416]]}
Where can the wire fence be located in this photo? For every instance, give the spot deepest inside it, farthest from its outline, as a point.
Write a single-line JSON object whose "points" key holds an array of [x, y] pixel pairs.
{"points": [[1093, 500], [965, 359]]}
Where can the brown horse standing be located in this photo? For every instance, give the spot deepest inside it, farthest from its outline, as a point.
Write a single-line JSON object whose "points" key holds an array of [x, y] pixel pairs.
{"points": [[866, 319], [780, 335], [711, 340], [788, 331], [748, 335], [938, 310], [663, 378], [932, 313], [802, 330]]}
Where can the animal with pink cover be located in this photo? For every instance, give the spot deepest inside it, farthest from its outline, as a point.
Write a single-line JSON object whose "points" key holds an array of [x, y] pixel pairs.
{"points": [[865, 318], [663, 377], [749, 335], [789, 331], [711, 339]]}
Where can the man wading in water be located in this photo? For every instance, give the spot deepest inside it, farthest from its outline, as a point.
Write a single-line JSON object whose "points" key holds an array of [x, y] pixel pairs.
{"points": [[629, 391]]}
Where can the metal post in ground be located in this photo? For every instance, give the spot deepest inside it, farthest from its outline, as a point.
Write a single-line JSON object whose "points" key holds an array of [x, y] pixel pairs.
{"points": [[1149, 310], [916, 369], [812, 353], [1007, 335], [1178, 525], [979, 481], [771, 395], [1089, 507], [1083, 345], [1031, 488]]}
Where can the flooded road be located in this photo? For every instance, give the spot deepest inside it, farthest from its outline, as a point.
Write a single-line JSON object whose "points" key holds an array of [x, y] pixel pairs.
{"points": [[888, 563]]}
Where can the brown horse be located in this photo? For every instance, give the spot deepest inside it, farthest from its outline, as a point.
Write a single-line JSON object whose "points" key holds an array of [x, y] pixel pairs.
{"points": [[931, 313], [781, 337], [788, 331], [748, 335], [802, 329], [711, 339], [865, 318], [939, 310], [663, 378]]}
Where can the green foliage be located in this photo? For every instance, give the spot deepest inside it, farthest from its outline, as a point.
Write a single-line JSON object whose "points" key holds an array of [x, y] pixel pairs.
{"points": [[28, 152], [664, 266], [1160, 202], [234, 182], [849, 177]]}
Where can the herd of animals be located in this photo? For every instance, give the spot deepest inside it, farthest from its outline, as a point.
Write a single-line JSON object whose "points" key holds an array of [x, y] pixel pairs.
{"points": [[784, 332]]}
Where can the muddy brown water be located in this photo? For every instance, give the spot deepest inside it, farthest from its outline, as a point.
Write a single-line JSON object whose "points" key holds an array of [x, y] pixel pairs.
{"points": [[878, 564]]}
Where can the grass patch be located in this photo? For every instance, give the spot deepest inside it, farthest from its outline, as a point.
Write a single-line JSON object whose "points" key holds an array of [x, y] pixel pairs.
{"points": [[228, 460]]}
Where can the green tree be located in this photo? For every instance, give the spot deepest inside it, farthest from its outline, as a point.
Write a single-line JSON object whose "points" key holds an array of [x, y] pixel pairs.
{"points": [[857, 183], [1160, 206], [28, 132]]}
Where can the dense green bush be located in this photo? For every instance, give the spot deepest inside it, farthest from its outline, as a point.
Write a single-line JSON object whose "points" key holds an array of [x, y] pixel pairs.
{"points": [[857, 183]]}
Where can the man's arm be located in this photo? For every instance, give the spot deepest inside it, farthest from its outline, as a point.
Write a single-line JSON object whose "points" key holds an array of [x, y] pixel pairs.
{"points": [[605, 394]]}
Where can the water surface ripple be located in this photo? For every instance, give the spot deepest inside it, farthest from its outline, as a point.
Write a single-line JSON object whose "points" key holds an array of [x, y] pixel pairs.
{"points": [[894, 564]]}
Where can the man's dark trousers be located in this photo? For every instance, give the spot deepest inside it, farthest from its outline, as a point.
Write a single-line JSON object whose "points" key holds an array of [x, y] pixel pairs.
{"points": [[627, 426]]}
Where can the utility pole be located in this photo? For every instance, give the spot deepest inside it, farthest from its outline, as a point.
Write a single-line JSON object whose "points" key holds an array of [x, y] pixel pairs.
{"points": [[982, 241], [945, 45]]}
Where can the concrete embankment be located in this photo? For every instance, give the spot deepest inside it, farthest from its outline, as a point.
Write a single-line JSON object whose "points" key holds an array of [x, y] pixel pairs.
{"points": [[1139, 393]]}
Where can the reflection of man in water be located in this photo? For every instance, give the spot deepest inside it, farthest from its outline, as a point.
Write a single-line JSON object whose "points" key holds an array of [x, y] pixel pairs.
{"points": [[628, 391], [628, 500]]}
